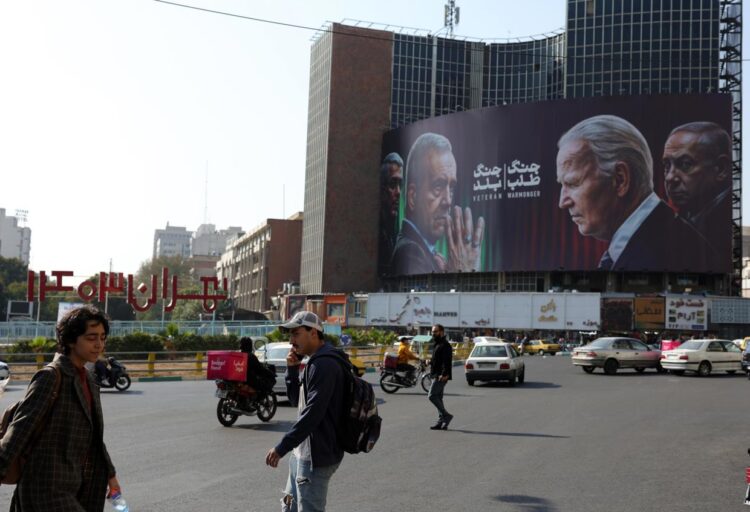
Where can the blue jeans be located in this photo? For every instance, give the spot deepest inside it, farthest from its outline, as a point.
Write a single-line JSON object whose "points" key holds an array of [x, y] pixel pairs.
{"points": [[307, 488], [436, 397]]}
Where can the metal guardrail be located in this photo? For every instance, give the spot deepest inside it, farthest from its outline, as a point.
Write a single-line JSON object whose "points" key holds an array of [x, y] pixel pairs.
{"points": [[185, 363], [12, 331]]}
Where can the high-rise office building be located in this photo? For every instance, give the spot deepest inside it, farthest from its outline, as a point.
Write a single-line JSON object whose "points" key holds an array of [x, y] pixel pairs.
{"points": [[15, 239], [365, 81], [172, 241]]}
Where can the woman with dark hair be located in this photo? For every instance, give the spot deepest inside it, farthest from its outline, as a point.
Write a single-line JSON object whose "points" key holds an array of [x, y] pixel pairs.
{"points": [[68, 468]]}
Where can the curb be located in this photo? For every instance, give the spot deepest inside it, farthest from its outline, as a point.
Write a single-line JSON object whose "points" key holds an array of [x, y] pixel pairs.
{"points": [[160, 379]]}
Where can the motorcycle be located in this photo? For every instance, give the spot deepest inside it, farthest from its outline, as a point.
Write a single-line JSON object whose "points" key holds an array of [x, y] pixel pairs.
{"points": [[236, 399], [118, 376], [391, 380]]}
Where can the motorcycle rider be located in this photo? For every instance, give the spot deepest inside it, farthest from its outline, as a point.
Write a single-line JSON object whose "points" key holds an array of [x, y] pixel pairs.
{"points": [[404, 356], [101, 369]]}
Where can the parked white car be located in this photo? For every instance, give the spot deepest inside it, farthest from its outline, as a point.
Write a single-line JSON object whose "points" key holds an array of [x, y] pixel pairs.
{"points": [[478, 340], [703, 357], [494, 360]]}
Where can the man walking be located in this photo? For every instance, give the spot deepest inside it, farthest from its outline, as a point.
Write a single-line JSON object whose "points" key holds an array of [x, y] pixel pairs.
{"points": [[442, 365], [318, 394]]}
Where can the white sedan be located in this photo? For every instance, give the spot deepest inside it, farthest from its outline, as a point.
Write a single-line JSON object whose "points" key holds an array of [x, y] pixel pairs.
{"points": [[703, 357], [494, 360]]}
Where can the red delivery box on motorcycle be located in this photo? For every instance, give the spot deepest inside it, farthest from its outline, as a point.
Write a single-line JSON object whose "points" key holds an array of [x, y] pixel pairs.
{"points": [[226, 365]]}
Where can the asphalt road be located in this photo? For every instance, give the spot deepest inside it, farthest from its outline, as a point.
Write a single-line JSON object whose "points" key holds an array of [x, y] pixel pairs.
{"points": [[563, 441]]}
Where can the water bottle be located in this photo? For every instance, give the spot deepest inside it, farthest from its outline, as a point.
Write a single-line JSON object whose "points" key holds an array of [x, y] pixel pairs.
{"points": [[118, 502]]}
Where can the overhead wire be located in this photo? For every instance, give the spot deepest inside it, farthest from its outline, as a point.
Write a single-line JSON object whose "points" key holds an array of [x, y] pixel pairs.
{"points": [[652, 57]]}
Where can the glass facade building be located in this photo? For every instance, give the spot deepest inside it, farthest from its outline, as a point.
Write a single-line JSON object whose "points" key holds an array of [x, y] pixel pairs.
{"points": [[606, 48]]}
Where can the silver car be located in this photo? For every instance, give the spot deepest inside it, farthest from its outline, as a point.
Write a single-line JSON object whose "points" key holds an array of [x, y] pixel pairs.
{"points": [[615, 353]]}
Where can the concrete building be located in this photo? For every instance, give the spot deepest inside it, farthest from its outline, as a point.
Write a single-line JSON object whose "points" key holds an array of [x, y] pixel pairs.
{"points": [[210, 241], [172, 241], [15, 240], [364, 82], [258, 263]]}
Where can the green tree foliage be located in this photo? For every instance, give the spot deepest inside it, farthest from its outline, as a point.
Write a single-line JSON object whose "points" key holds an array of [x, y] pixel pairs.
{"points": [[370, 336], [177, 266], [12, 282]]}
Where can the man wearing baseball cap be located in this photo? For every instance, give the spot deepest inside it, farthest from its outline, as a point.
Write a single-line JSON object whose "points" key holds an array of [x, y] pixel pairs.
{"points": [[318, 394]]}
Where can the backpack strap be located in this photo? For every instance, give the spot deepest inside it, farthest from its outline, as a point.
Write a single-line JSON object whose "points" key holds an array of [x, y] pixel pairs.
{"points": [[41, 421], [43, 418], [345, 365]]}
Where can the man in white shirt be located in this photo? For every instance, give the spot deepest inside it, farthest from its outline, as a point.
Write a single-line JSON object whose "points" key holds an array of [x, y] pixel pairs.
{"points": [[605, 171]]}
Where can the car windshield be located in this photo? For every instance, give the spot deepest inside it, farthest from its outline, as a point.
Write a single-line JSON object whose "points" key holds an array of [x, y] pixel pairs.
{"points": [[490, 351], [278, 353], [691, 345]]}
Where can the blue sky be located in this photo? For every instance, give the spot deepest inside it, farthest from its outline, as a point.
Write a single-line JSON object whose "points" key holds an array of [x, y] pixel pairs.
{"points": [[111, 112]]}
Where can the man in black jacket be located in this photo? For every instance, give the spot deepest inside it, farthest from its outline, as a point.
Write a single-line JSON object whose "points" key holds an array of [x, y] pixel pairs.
{"points": [[319, 394], [441, 371], [605, 171]]}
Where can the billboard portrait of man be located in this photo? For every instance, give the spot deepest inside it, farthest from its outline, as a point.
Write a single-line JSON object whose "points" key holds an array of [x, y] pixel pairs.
{"points": [[391, 181], [431, 215], [605, 172], [697, 163]]}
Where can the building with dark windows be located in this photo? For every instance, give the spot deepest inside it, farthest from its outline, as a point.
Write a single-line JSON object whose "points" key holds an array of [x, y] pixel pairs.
{"points": [[366, 82]]}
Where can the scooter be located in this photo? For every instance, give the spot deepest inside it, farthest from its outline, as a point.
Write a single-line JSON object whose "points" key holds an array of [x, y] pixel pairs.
{"points": [[118, 376], [391, 380], [236, 399]]}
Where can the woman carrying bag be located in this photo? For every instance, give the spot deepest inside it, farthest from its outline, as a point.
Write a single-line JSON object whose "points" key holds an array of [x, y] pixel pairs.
{"points": [[67, 468]]}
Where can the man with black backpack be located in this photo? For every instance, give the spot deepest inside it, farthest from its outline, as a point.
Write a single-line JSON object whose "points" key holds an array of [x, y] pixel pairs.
{"points": [[319, 395]]}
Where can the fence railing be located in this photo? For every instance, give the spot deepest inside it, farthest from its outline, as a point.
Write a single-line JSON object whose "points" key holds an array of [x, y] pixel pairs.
{"points": [[183, 363], [10, 331]]}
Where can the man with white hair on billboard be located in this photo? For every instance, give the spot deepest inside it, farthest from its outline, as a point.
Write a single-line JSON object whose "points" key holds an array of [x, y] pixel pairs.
{"points": [[431, 215], [605, 172]]}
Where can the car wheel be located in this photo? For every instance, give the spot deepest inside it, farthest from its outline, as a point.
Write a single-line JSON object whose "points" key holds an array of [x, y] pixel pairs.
{"points": [[541, 352], [640, 369], [522, 376], [588, 369], [704, 369], [731, 372], [470, 382], [512, 381], [611, 366]]}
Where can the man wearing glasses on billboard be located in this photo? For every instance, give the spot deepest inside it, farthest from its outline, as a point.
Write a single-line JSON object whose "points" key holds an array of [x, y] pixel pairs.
{"points": [[698, 178], [605, 171], [391, 180], [430, 214]]}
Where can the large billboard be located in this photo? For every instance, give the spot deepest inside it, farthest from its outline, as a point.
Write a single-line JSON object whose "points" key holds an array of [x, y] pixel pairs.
{"points": [[547, 311], [630, 183]]}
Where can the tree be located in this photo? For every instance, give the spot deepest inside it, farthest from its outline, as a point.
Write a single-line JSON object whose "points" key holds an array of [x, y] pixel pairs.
{"points": [[12, 282], [178, 267]]}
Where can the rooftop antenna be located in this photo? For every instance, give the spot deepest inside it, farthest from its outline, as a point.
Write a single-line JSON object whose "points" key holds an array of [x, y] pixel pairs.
{"points": [[451, 16]]}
